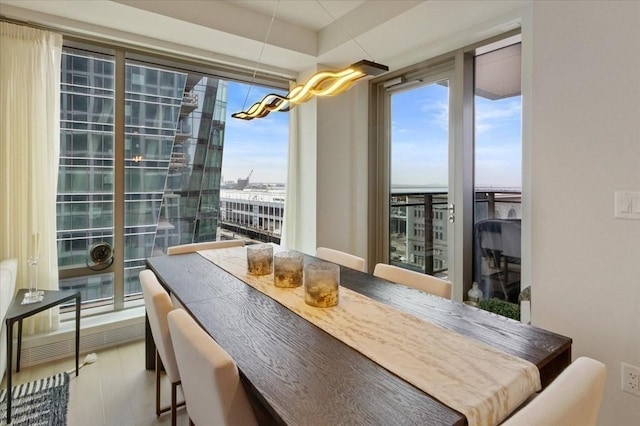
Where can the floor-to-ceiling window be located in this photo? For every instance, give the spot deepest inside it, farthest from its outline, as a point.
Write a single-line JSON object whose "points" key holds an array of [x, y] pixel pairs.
{"points": [[85, 199], [254, 168], [419, 151], [141, 176], [498, 168], [448, 158]]}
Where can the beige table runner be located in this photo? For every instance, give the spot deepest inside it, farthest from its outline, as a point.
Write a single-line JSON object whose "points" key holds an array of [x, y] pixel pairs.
{"points": [[481, 382]]}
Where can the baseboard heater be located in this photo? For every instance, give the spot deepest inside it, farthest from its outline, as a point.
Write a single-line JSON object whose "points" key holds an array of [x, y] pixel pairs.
{"points": [[93, 337]]}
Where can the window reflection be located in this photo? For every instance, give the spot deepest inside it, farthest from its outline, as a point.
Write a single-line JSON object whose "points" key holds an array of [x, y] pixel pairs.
{"points": [[173, 142], [498, 170]]}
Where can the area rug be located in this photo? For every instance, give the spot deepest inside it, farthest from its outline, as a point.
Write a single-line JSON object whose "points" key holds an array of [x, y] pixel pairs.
{"points": [[42, 402]]}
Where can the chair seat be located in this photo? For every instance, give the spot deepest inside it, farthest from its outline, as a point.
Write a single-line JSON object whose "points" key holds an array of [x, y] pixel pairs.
{"points": [[193, 247], [572, 399], [423, 282], [210, 377], [158, 305], [341, 258]]}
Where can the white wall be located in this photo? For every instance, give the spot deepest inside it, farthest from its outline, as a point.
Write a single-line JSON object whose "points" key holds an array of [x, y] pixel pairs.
{"points": [[306, 211], [582, 141], [332, 172], [585, 129], [342, 171]]}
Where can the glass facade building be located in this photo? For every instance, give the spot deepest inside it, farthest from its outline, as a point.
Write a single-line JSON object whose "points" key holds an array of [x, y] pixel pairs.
{"points": [[174, 134]]}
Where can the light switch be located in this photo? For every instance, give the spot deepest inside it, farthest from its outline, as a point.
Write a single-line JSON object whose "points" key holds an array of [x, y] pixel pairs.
{"points": [[627, 205]]}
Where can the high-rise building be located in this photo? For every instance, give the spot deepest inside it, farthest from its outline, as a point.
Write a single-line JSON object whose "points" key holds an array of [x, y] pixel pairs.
{"points": [[255, 214], [173, 137]]}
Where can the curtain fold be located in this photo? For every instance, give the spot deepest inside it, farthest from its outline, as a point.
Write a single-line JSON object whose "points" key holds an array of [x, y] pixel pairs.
{"points": [[288, 238], [29, 156]]}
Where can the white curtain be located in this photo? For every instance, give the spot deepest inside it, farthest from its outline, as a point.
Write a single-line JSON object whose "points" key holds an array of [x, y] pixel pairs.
{"points": [[288, 237], [29, 156]]}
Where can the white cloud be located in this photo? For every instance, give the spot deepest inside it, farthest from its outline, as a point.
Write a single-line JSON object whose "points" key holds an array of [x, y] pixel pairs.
{"points": [[493, 114], [260, 145], [437, 112]]}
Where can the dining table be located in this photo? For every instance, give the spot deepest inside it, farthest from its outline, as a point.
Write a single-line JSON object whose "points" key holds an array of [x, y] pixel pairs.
{"points": [[296, 373]]}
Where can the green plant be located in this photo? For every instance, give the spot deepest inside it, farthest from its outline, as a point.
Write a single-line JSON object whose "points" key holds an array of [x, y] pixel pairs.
{"points": [[501, 307]]}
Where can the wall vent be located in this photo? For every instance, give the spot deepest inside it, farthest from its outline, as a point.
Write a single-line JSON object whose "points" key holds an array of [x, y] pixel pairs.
{"points": [[42, 350]]}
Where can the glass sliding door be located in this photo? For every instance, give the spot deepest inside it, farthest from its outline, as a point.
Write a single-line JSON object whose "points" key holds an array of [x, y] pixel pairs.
{"points": [[419, 177], [498, 169], [446, 167]]}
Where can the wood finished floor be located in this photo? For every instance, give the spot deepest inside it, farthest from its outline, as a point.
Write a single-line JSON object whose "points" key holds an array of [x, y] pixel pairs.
{"points": [[115, 390]]}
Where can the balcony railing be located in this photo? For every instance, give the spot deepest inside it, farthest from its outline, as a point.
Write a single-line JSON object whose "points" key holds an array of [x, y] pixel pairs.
{"points": [[419, 224]]}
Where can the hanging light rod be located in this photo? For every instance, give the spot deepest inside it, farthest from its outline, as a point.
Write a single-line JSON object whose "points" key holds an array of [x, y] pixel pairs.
{"points": [[322, 83]]}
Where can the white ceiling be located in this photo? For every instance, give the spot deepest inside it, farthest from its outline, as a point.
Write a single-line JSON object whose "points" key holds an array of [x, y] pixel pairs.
{"points": [[303, 34], [310, 14]]}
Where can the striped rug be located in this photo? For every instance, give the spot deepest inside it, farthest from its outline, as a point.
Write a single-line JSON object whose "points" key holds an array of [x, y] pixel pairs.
{"points": [[42, 402]]}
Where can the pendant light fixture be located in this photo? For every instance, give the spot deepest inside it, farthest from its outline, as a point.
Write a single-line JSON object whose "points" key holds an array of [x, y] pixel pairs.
{"points": [[322, 83]]}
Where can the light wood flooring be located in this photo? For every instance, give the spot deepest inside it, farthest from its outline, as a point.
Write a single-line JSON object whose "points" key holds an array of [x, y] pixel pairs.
{"points": [[115, 390]]}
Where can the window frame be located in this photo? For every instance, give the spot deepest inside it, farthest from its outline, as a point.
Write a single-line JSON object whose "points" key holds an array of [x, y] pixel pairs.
{"points": [[460, 63], [122, 55]]}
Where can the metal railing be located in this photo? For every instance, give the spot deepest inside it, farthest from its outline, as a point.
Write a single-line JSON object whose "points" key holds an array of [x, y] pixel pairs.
{"points": [[418, 225]]}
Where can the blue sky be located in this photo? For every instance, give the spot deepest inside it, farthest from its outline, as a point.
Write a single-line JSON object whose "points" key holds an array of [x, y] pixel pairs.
{"points": [[499, 142], [419, 139], [419, 134], [260, 145]]}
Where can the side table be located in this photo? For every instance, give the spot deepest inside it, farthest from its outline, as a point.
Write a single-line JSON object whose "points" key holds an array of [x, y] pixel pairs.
{"points": [[17, 312]]}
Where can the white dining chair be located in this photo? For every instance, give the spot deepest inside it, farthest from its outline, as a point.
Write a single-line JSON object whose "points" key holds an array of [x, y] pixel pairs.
{"points": [[193, 247], [427, 283], [572, 399], [158, 305], [341, 258], [210, 377]]}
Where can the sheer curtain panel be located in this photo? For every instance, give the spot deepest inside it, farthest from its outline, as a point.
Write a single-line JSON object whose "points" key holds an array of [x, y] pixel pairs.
{"points": [[29, 156]]}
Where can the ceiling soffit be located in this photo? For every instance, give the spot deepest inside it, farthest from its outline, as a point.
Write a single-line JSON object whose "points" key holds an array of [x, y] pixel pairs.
{"points": [[395, 33], [231, 19], [367, 17]]}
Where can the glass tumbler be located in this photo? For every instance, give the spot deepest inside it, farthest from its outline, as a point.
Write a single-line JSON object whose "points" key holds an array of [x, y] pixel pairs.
{"points": [[321, 284], [287, 269], [260, 259]]}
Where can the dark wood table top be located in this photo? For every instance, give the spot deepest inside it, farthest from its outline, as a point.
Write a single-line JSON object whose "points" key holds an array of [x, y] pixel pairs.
{"points": [[51, 298], [297, 374]]}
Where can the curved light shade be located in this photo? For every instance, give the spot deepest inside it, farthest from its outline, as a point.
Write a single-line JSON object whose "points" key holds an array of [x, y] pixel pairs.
{"points": [[323, 83]]}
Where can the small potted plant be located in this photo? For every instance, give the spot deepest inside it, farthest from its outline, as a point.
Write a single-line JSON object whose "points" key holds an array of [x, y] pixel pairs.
{"points": [[501, 307]]}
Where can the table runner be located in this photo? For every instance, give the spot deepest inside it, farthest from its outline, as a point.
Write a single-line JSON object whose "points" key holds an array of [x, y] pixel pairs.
{"points": [[481, 382]]}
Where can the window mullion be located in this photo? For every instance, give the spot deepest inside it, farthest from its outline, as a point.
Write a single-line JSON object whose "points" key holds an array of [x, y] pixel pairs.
{"points": [[119, 181]]}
